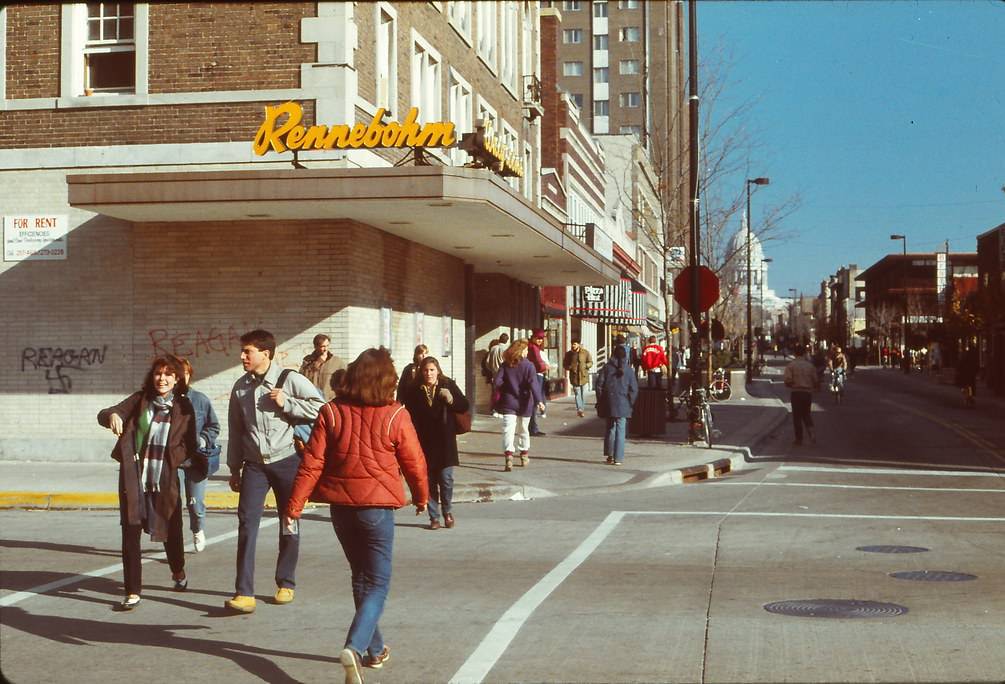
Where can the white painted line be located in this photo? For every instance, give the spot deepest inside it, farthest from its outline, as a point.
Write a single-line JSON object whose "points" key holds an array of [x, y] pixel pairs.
{"points": [[483, 659], [844, 486], [19, 596], [853, 516], [891, 471]]}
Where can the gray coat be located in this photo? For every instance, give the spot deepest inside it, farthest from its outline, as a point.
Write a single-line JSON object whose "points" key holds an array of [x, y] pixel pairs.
{"points": [[618, 391]]}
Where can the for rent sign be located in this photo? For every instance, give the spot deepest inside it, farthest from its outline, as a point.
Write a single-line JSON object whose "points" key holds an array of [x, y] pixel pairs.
{"points": [[34, 237]]}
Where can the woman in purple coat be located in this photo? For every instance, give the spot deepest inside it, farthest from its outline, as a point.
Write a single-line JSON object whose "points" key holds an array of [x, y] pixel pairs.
{"points": [[516, 394]]}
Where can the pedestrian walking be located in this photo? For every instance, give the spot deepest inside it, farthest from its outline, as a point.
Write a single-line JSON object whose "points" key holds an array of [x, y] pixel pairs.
{"points": [[801, 377], [433, 405], [577, 363], [363, 442], [535, 353], [207, 429], [261, 456], [320, 364], [517, 393], [410, 375], [654, 360], [966, 376], [617, 390], [156, 436]]}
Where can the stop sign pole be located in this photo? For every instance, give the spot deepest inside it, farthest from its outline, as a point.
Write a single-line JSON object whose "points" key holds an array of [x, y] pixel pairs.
{"points": [[693, 189]]}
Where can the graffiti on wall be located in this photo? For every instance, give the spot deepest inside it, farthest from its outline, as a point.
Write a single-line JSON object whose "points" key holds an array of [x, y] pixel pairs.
{"points": [[56, 361], [195, 343]]}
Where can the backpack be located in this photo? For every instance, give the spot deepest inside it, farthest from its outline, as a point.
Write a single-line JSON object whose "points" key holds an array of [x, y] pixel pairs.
{"points": [[301, 430], [486, 369]]}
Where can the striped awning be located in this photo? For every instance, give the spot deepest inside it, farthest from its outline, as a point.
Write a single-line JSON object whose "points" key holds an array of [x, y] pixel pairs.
{"points": [[621, 304]]}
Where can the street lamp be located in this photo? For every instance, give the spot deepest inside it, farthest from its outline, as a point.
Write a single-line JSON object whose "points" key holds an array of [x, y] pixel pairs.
{"points": [[750, 358], [902, 238], [792, 316], [903, 325]]}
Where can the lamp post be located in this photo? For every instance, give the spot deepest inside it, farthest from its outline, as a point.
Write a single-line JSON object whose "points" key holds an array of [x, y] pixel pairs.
{"points": [[904, 361], [903, 238], [750, 358], [792, 316], [767, 260]]}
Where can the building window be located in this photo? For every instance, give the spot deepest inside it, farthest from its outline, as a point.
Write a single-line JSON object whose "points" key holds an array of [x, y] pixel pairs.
{"points": [[511, 143], [600, 9], [629, 100], [509, 48], [570, 36], [601, 75], [572, 68], [528, 44], [110, 48], [487, 38], [578, 99], [630, 34], [426, 77], [459, 16], [600, 41], [631, 130], [629, 66], [571, 5], [628, 4], [487, 115], [387, 59], [601, 107], [461, 104]]}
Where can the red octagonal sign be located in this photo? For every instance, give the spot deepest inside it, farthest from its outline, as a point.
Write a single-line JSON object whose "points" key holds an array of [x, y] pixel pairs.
{"points": [[708, 289]]}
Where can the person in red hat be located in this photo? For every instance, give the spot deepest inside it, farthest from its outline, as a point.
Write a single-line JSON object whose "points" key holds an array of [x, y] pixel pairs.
{"points": [[535, 353]]}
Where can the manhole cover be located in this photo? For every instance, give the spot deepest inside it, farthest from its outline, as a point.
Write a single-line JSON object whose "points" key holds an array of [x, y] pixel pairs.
{"points": [[933, 576], [835, 608], [891, 549]]}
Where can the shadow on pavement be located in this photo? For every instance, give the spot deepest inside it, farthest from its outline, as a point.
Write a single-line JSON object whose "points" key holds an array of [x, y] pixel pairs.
{"points": [[65, 548]]}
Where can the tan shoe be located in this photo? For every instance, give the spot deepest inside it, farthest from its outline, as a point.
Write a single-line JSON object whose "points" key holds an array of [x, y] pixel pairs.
{"points": [[284, 595], [241, 604]]}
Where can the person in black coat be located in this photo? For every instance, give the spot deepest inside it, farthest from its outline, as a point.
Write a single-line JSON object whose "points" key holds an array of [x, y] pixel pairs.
{"points": [[433, 402]]}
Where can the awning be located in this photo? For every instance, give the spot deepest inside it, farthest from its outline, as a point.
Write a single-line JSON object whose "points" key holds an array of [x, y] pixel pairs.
{"points": [[614, 304], [468, 213]]}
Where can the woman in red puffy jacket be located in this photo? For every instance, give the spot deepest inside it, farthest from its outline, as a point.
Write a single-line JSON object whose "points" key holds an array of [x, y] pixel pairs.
{"points": [[360, 441]]}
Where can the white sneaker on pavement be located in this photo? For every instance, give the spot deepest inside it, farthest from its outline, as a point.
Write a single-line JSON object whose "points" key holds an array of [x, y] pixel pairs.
{"points": [[199, 540]]}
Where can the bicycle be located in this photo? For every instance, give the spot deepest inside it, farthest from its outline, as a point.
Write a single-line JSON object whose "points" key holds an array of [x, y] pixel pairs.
{"points": [[837, 384], [719, 389], [699, 416]]}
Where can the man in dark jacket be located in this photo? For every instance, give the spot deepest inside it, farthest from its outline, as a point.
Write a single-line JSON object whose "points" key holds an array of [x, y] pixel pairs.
{"points": [[577, 364], [617, 390]]}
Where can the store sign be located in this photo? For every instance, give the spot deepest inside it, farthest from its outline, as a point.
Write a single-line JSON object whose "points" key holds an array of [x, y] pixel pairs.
{"points": [[940, 277], [34, 238], [291, 134], [489, 150], [593, 294], [676, 257]]}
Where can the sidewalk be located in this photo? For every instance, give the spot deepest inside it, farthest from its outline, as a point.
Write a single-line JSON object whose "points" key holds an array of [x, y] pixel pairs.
{"points": [[569, 460]]}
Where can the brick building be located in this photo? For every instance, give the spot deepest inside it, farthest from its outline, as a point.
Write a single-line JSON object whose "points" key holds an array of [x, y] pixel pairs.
{"points": [[991, 304], [138, 218]]}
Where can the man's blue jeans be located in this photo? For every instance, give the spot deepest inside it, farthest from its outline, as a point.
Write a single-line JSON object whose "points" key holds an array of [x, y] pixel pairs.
{"points": [[194, 496], [579, 392], [441, 491], [367, 538], [256, 480], [614, 440]]}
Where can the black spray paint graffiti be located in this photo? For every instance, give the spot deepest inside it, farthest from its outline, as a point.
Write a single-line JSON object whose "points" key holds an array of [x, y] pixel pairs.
{"points": [[56, 360]]}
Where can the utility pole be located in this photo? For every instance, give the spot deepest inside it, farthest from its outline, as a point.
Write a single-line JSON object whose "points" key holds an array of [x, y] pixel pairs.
{"points": [[692, 39]]}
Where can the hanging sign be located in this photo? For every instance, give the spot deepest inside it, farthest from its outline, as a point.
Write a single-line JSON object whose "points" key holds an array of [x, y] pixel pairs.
{"points": [[31, 238], [291, 134], [489, 150]]}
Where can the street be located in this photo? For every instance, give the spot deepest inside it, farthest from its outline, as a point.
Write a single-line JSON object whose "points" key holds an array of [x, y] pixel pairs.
{"points": [[662, 585]]}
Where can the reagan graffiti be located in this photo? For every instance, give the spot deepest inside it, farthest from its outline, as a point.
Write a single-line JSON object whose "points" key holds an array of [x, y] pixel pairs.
{"points": [[55, 361]]}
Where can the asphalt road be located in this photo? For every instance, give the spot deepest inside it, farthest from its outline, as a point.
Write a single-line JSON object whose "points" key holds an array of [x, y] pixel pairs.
{"points": [[665, 585]]}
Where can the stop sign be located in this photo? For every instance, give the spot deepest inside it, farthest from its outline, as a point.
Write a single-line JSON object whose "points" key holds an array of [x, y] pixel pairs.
{"points": [[708, 289]]}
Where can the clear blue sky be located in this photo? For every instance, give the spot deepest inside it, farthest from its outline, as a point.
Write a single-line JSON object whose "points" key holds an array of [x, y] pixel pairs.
{"points": [[886, 117]]}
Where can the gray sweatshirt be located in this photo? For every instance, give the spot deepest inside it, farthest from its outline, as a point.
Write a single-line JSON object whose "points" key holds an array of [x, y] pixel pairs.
{"points": [[260, 431]]}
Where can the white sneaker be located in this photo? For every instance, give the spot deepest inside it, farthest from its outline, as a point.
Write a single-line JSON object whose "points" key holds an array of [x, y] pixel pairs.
{"points": [[199, 540]]}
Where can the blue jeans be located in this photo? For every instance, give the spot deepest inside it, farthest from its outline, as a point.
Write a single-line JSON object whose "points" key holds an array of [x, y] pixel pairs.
{"points": [[256, 480], [655, 379], [367, 538], [614, 439], [441, 491], [194, 496], [579, 392]]}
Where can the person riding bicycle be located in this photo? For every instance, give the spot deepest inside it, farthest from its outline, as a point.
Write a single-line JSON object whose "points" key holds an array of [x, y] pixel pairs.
{"points": [[837, 363]]}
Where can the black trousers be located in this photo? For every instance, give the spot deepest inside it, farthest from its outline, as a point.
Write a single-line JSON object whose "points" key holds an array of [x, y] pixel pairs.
{"points": [[801, 403], [132, 559]]}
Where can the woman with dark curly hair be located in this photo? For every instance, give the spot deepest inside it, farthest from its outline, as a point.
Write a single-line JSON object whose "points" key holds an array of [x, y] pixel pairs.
{"points": [[156, 431]]}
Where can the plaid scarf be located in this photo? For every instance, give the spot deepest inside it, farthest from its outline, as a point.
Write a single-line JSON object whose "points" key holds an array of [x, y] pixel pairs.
{"points": [[157, 421]]}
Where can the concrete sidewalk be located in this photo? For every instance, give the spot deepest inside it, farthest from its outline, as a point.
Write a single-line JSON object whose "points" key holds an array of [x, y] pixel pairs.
{"points": [[569, 460]]}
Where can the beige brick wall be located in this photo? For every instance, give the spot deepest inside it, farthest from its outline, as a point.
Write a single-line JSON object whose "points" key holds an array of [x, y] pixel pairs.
{"points": [[129, 293]]}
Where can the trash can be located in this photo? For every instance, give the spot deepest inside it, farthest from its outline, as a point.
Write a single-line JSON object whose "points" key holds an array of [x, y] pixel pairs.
{"points": [[649, 416]]}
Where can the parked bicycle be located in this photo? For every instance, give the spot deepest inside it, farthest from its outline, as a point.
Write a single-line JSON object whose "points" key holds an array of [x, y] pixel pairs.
{"points": [[719, 389], [701, 425]]}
